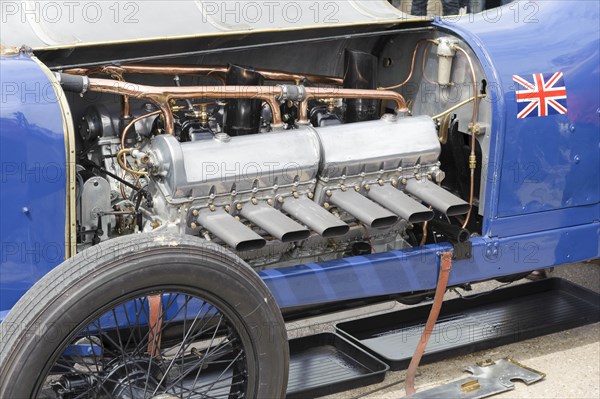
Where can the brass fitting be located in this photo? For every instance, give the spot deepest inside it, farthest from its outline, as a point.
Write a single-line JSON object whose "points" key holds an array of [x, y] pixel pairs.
{"points": [[472, 161]]}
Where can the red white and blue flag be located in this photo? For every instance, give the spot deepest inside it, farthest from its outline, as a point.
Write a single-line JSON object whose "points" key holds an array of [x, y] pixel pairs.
{"points": [[545, 95]]}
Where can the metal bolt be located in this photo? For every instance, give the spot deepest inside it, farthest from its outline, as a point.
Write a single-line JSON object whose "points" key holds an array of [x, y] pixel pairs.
{"points": [[254, 201], [270, 202], [326, 205], [296, 195], [212, 208], [367, 187], [357, 189], [193, 225], [394, 183], [239, 206], [380, 182], [227, 208], [343, 187], [195, 212], [418, 176], [280, 199], [311, 195], [404, 181], [237, 218], [329, 193], [429, 177]]}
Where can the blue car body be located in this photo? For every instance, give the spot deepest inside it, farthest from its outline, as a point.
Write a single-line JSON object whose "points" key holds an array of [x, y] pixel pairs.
{"points": [[543, 185]]}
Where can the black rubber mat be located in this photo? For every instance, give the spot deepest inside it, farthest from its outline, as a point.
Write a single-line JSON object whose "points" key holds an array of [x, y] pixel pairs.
{"points": [[327, 363], [469, 324]]}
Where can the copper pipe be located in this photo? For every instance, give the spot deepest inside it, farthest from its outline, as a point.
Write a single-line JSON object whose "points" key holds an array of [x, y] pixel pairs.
{"points": [[321, 92], [218, 72], [445, 267], [424, 62], [472, 156], [412, 64], [124, 135], [161, 96]]}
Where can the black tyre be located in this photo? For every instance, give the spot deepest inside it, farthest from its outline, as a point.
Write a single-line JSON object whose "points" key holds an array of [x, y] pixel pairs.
{"points": [[144, 316]]}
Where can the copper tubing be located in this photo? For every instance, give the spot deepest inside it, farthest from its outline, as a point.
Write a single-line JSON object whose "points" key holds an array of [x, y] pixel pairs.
{"points": [[320, 92], [161, 96], [124, 134], [218, 72], [445, 267], [412, 63], [472, 157]]}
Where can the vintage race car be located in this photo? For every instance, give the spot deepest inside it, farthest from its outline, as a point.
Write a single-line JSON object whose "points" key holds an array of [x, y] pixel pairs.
{"points": [[180, 177]]}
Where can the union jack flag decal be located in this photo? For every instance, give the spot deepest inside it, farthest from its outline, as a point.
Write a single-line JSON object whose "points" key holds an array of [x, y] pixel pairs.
{"points": [[545, 95]]}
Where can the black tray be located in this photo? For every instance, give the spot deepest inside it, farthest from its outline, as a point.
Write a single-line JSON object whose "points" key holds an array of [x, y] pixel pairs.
{"points": [[466, 325], [327, 363]]}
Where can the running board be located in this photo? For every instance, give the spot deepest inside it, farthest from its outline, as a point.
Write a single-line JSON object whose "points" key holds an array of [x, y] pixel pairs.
{"points": [[468, 324]]}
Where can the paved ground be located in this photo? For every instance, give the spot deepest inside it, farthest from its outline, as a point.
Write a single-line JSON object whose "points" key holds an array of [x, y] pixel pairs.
{"points": [[570, 359]]}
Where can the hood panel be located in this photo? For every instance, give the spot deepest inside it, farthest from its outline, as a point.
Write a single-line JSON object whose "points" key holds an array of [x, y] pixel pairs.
{"points": [[64, 24]]}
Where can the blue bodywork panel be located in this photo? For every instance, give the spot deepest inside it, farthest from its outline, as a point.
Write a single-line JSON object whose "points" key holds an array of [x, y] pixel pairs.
{"points": [[539, 166], [33, 180], [542, 202], [417, 269], [543, 194]]}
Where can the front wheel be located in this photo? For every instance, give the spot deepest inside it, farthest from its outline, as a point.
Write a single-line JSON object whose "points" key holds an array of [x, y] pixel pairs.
{"points": [[143, 317]]}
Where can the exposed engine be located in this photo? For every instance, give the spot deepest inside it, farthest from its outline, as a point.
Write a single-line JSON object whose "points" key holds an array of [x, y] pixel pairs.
{"points": [[281, 174]]}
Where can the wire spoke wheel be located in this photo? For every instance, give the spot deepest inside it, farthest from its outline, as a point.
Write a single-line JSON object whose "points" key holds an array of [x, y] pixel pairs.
{"points": [[192, 323]]}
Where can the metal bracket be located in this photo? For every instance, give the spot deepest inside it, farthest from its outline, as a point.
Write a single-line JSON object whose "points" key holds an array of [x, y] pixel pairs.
{"points": [[489, 378], [462, 250]]}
